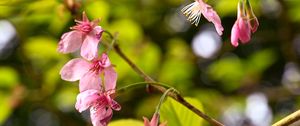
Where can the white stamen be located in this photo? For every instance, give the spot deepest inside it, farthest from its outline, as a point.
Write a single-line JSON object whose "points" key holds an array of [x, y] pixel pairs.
{"points": [[193, 12]]}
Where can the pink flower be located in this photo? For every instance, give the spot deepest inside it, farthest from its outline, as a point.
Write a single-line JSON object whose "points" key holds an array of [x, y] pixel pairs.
{"points": [[241, 30], [194, 10], [86, 35], [100, 105], [154, 121], [245, 24], [89, 73]]}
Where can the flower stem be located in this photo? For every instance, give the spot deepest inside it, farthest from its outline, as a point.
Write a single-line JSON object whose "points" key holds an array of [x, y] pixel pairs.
{"points": [[142, 83], [288, 120], [175, 96], [162, 98]]}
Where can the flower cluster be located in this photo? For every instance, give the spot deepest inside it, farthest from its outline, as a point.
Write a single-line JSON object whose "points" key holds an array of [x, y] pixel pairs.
{"points": [[96, 75], [245, 24]]}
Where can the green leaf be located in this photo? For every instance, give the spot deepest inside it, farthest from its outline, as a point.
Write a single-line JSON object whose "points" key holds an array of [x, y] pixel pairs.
{"points": [[178, 115], [126, 122], [9, 77]]}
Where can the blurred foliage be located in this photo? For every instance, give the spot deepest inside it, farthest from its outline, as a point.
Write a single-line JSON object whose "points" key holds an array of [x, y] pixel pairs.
{"points": [[158, 38]]}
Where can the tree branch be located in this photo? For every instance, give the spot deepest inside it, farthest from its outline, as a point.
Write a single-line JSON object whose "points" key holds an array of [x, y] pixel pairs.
{"points": [[290, 119]]}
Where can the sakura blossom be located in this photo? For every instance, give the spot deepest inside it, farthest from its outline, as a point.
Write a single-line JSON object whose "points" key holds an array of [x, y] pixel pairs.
{"points": [[90, 73], [194, 10], [100, 104], [85, 34], [245, 24]]}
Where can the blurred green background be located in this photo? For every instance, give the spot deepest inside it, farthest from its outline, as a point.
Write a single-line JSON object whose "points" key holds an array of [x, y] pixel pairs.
{"points": [[254, 84]]}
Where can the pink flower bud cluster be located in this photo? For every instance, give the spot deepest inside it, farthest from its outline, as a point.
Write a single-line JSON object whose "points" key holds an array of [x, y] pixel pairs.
{"points": [[96, 75]]}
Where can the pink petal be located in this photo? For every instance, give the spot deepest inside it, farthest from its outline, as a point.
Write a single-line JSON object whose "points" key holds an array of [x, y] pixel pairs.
{"points": [[89, 49], [110, 78], [74, 69], [105, 62], [90, 80], [86, 99], [115, 105], [154, 120], [84, 17], [100, 115], [70, 42], [235, 35], [146, 122], [111, 102], [211, 16], [244, 30], [254, 24]]}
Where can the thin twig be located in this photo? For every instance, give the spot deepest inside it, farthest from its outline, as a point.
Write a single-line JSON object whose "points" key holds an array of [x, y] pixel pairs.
{"points": [[175, 96], [290, 119]]}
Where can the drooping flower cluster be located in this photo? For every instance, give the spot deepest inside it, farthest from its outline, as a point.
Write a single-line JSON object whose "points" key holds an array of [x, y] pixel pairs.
{"points": [[96, 75], [245, 24]]}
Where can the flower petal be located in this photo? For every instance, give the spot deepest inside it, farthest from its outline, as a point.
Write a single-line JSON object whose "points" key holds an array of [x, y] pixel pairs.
{"points": [[89, 49], [244, 30], [154, 120], [105, 62], [110, 78], [115, 105], [74, 69], [84, 17], [70, 42], [90, 80], [211, 16], [100, 115], [254, 24], [146, 122], [235, 35], [86, 99]]}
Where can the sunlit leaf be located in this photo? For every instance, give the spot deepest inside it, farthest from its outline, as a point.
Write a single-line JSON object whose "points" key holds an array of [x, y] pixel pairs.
{"points": [[126, 122], [8, 77], [178, 115]]}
